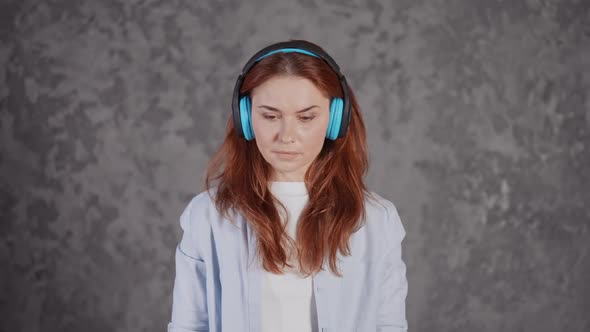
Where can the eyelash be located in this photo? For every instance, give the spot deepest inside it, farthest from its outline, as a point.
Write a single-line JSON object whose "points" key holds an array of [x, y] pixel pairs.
{"points": [[304, 118]]}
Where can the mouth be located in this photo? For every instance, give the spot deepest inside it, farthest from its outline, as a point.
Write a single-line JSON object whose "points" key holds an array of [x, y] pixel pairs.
{"points": [[286, 153], [286, 156]]}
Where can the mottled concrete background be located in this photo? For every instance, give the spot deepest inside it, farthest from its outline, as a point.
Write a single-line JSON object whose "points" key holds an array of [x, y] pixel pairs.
{"points": [[478, 115]]}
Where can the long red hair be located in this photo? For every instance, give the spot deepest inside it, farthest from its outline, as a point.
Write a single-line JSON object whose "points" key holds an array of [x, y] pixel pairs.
{"points": [[336, 205]]}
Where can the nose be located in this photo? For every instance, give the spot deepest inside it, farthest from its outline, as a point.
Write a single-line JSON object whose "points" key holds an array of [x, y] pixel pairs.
{"points": [[287, 133]]}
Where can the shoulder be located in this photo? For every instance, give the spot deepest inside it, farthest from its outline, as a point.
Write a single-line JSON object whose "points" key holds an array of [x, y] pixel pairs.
{"points": [[203, 199], [384, 212], [199, 209], [195, 221]]}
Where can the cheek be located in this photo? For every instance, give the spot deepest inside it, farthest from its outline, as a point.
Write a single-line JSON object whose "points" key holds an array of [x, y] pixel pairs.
{"points": [[315, 141], [262, 131]]}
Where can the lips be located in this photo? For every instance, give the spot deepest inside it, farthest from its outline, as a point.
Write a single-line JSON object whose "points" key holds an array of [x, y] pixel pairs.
{"points": [[286, 152]]}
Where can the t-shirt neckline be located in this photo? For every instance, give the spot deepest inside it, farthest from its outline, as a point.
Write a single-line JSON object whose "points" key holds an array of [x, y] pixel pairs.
{"points": [[288, 188]]}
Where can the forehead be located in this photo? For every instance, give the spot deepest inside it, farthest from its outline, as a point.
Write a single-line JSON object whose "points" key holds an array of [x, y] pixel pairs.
{"points": [[287, 91]]}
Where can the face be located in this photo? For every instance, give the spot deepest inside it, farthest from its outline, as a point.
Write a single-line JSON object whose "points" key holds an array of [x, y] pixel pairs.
{"points": [[289, 114]]}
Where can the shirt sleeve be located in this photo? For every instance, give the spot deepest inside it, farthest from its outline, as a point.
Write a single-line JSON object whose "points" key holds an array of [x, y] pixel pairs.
{"points": [[391, 316], [189, 303]]}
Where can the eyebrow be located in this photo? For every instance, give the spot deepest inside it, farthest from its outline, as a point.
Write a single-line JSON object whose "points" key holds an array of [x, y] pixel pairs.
{"points": [[270, 108]]}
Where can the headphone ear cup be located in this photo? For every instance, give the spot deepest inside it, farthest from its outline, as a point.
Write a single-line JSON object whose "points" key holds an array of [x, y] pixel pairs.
{"points": [[246, 117], [336, 109]]}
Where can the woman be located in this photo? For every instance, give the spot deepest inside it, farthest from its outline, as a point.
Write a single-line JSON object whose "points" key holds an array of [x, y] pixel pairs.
{"points": [[289, 238]]}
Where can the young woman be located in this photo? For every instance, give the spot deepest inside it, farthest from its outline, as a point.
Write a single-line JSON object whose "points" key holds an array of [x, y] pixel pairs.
{"points": [[289, 238]]}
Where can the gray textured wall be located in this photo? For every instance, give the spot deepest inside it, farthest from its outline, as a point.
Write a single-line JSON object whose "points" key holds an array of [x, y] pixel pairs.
{"points": [[478, 115]]}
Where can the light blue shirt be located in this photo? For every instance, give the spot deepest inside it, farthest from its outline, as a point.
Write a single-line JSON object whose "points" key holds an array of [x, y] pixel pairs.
{"points": [[217, 283]]}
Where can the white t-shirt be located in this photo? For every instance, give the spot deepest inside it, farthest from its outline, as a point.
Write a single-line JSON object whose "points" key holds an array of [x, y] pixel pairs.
{"points": [[288, 302]]}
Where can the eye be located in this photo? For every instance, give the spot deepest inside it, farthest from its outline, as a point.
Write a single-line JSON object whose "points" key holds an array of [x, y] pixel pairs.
{"points": [[270, 117], [307, 118]]}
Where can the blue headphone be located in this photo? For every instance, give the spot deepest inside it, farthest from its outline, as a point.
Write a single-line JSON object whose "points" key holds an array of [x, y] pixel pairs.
{"points": [[339, 107]]}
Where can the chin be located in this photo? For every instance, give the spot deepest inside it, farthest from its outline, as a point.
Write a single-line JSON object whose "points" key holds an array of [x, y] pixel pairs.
{"points": [[285, 166], [279, 167]]}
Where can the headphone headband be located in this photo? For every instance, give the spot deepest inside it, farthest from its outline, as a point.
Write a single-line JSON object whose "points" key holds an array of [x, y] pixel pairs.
{"points": [[292, 46]]}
